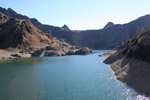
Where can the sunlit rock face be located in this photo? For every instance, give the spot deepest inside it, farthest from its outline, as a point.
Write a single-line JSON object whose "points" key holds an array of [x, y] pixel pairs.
{"points": [[20, 38]]}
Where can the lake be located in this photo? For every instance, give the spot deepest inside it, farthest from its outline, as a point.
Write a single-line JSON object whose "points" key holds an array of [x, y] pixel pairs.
{"points": [[62, 78]]}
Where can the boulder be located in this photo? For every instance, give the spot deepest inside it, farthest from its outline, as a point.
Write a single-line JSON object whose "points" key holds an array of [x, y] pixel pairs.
{"points": [[83, 51], [39, 53], [71, 52]]}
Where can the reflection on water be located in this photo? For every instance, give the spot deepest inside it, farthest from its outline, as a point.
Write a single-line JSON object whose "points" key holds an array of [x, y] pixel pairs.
{"points": [[62, 78], [25, 89], [22, 61]]}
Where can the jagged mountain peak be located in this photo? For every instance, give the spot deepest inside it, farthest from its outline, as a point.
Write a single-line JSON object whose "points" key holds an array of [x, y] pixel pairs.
{"points": [[10, 9], [65, 27], [109, 24]]}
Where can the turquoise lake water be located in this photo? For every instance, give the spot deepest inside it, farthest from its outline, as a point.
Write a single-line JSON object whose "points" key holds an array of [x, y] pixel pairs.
{"points": [[62, 78]]}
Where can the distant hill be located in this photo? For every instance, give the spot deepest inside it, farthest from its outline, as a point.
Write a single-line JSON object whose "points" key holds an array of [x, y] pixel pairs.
{"points": [[110, 37]]}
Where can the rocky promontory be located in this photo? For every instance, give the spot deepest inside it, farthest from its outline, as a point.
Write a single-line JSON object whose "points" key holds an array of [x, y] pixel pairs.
{"points": [[20, 38], [131, 63]]}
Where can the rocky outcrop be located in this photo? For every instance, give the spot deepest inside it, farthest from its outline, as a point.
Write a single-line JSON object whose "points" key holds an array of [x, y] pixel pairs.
{"points": [[131, 63], [44, 52], [83, 51], [20, 38]]}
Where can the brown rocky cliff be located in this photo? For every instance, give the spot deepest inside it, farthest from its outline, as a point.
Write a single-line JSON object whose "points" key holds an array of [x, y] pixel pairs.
{"points": [[17, 33]]}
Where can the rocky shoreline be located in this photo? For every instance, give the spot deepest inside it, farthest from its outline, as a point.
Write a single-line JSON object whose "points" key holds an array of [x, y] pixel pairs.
{"points": [[108, 54], [131, 63], [44, 52], [133, 72]]}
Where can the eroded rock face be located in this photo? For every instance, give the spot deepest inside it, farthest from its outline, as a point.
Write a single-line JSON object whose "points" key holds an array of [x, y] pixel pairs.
{"points": [[131, 64], [39, 53], [133, 72]]}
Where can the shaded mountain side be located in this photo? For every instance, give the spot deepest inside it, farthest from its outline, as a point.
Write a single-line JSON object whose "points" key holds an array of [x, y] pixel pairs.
{"points": [[107, 38], [138, 47], [131, 63], [111, 38], [20, 38]]}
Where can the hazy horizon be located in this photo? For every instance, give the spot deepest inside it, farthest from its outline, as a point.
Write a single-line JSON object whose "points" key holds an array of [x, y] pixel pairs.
{"points": [[80, 15]]}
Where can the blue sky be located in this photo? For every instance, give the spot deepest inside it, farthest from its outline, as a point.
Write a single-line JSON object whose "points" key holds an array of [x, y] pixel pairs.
{"points": [[80, 14]]}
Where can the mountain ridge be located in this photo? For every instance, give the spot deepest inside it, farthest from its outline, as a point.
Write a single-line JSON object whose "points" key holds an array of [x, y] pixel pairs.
{"points": [[107, 38]]}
